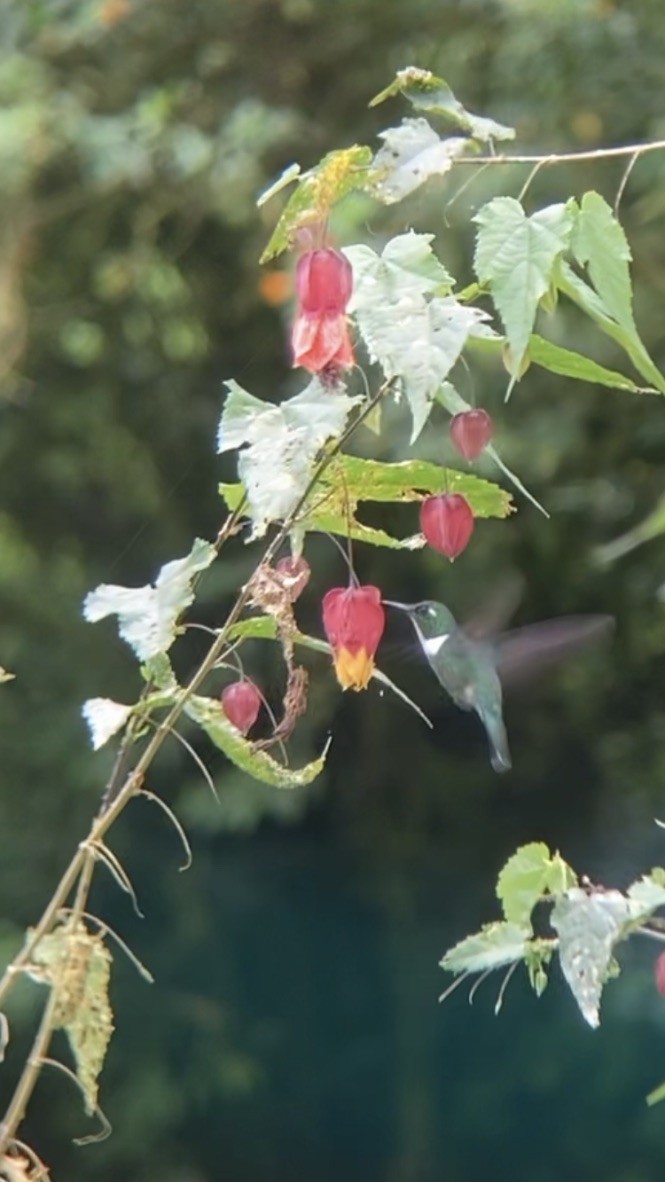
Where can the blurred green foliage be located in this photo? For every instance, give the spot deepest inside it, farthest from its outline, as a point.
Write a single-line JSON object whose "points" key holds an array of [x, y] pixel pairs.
{"points": [[290, 1028]]}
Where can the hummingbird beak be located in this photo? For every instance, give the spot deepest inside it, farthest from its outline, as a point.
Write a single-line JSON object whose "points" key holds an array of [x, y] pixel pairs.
{"points": [[402, 607]]}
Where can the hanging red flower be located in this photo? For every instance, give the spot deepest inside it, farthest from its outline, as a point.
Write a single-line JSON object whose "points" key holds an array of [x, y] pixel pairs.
{"points": [[241, 703], [353, 621], [659, 973], [294, 575], [471, 431], [320, 336], [447, 523]]}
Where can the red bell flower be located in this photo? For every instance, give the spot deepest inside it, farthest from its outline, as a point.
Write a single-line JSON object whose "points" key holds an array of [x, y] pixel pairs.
{"points": [[659, 973], [320, 336], [241, 703], [353, 621], [471, 431], [447, 523]]}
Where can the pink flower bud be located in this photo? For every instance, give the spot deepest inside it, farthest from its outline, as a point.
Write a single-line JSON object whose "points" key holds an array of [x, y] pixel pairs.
{"points": [[294, 574], [659, 973], [470, 432], [241, 703], [353, 621], [447, 523]]}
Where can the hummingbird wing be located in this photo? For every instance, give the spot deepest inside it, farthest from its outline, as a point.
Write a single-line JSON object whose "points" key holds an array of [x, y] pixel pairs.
{"points": [[496, 610], [522, 654]]}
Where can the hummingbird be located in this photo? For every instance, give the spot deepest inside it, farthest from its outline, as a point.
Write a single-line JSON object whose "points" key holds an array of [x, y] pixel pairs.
{"points": [[470, 669]]}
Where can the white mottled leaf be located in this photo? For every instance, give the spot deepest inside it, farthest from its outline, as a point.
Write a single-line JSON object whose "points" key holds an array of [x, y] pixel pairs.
{"points": [[589, 925], [497, 944], [279, 444], [411, 154], [147, 615], [646, 896], [414, 335], [407, 266], [104, 718]]}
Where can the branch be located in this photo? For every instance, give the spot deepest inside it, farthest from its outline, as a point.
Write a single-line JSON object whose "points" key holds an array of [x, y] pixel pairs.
{"points": [[635, 150]]}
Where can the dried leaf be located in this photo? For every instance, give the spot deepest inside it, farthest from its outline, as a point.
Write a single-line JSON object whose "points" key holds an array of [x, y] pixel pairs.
{"points": [[77, 963]]}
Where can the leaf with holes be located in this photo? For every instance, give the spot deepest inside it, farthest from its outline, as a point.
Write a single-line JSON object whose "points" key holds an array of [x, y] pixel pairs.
{"points": [[337, 174], [428, 93], [411, 154], [209, 715], [349, 480], [78, 964], [589, 926]]}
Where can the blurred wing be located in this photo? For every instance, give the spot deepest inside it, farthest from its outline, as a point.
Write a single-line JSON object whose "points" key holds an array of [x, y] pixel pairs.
{"points": [[522, 654], [497, 609]]}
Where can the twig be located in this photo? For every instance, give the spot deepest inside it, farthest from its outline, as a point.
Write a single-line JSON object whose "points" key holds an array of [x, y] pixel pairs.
{"points": [[118, 797], [636, 150]]}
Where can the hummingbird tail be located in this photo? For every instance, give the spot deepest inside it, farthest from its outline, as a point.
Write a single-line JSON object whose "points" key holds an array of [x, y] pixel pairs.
{"points": [[498, 740]]}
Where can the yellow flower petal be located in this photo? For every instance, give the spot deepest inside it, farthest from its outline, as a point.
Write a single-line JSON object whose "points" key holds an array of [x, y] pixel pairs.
{"points": [[353, 670]]}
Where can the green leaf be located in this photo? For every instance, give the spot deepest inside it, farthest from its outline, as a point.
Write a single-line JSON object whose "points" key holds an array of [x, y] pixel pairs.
{"points": [[147, 616], [599, 242], [573, 286], [589, 925], [529, 874], [497, 944], [537, 959], [573, 365], [337, 174], [349, 480], [426, 92], [416, 336], [454, 403], [515, 255], [652, 526], [265, 628], [287, 177], [656, 1096], [208, 713], [411, 154], [280, 444]]}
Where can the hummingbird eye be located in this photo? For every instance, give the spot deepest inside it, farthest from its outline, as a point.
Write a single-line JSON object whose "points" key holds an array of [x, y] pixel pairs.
{"points": [[424, 609]]}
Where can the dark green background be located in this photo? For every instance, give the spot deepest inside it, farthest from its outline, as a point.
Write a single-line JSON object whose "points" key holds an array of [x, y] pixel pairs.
{"points": [[293, 1030]]}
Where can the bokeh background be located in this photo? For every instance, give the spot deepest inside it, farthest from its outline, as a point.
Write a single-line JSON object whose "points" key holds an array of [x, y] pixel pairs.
{"points": [[293, 1030]]}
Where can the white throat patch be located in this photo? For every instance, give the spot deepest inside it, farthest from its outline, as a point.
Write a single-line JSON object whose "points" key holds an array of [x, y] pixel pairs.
{"points": [[434, 644]]}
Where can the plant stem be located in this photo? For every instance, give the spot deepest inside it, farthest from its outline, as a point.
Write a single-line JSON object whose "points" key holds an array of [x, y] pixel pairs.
{"points": [[635, 150], [115, 799]]}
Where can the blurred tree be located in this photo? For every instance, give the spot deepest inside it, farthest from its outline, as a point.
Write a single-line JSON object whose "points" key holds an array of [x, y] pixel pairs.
{"points": [[134, 138]]}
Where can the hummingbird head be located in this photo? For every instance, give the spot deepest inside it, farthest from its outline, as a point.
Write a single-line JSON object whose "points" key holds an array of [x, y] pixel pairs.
{"points": [[429, 618]]}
